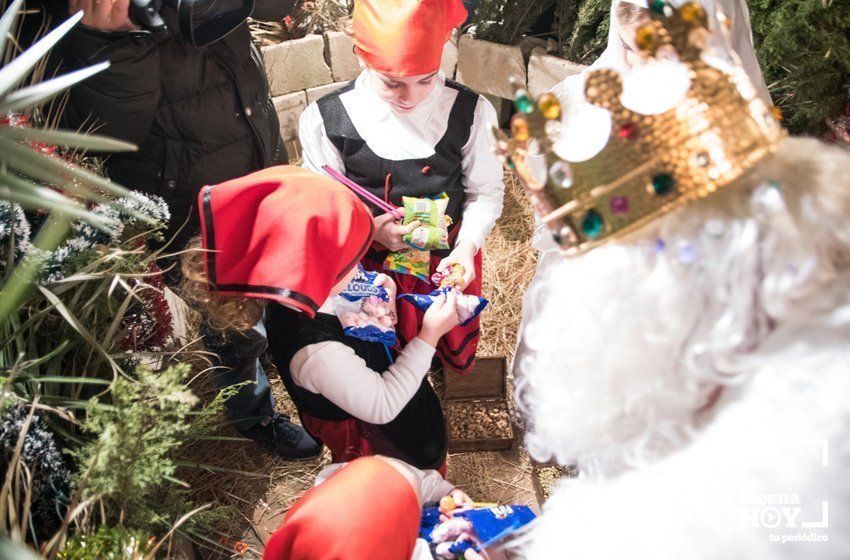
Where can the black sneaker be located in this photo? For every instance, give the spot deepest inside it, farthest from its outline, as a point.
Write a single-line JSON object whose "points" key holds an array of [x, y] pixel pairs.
{"points": [[279, 435]]}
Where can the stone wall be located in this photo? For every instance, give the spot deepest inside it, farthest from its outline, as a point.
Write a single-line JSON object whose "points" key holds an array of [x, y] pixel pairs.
{"points": [[304, 70]]}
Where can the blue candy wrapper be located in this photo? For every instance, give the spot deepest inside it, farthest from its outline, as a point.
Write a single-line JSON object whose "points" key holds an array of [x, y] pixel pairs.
{"points": [[494, 524], [365, 310], [430, 520], [490, 525], [468, 306]]}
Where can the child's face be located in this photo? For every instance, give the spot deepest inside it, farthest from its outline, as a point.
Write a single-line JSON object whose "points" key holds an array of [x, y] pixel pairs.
{"points": [[403, 94]]}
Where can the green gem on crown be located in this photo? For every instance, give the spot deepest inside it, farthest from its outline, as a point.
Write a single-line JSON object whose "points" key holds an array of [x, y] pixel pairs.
{"points": [[523, 101], [592, 225], [663, 184], [657, 6]]}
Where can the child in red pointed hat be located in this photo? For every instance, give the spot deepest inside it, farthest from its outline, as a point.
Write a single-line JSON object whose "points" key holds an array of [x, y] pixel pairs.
{"points": [[367, 509], [404, 129], [284, 241]]}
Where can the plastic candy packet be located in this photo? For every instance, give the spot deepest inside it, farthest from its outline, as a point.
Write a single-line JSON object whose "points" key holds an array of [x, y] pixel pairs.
{"points": [[433, 233], [468, 306], [365, 310], [415, 263], [451, 277], [494, 524], [475, 528]]}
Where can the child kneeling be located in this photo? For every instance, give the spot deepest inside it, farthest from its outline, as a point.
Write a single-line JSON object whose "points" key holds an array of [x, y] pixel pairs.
{"points": [[294, 238]]}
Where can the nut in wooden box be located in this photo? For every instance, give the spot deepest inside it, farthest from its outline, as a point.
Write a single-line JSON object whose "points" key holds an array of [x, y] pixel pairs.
{"points": [[479, 425], [487, 380], [544, 478]]}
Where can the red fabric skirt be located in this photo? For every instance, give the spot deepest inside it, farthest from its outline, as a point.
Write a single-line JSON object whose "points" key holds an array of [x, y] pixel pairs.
{"points": [[344, 438], [457, 349]]}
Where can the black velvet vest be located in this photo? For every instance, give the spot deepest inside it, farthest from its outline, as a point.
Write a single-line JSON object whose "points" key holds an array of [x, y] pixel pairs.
{"points": [[424, 177]]}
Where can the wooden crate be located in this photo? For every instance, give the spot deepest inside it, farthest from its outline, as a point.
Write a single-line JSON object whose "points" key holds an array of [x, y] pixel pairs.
{"points": [[484, 435], [487, 380]]}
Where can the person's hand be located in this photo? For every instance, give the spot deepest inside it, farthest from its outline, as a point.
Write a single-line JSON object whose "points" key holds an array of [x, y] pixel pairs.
{"points": [[389, 233], [392, 291], [451, 530], [440, 318], [105, 15], [462, 502], [464, 255]]}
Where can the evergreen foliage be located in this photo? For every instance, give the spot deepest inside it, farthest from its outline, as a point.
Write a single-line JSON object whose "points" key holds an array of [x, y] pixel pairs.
{"points": [[803, 47], [582, 29], [130, 453], [108, 543], [506, 21]]}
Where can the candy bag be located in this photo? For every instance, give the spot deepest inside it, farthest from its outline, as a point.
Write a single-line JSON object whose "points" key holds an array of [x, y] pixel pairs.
{"points": [[450, 277], [475, 528], [433, 233], [468, 306], [492, 525], [415, 263], [365, 311]]}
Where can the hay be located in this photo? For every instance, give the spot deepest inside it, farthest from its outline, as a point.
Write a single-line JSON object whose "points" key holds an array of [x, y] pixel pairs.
{"points": [[509, 263]]}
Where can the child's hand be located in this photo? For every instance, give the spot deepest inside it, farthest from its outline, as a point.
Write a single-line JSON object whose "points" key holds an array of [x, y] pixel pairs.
{"points": [[389, 233], [440, 318], [464, 255], [387, 283], [459, 500]]}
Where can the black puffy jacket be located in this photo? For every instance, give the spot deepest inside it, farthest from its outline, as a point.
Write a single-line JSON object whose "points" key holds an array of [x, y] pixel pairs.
{"points": [[200, 116]]}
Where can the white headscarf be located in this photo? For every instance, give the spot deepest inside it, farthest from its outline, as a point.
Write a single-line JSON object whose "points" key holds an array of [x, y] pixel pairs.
{"points": [[734, 40]]}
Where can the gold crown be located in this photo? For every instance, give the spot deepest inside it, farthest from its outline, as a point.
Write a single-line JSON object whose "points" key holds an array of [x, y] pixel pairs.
{"points": [[651, 164]]}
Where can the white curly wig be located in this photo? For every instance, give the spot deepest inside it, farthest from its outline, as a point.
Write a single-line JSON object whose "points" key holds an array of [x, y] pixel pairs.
{"points": [[664, 365]]}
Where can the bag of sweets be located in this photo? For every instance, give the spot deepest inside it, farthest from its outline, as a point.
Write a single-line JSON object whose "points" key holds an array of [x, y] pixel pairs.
{"points": [[468, 306], [433, 233], [365, 310], [414, 263], [475, 528]]}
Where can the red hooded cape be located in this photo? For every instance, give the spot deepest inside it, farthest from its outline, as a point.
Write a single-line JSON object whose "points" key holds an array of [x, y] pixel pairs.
{"points": [[283, 233], [365, 511]]}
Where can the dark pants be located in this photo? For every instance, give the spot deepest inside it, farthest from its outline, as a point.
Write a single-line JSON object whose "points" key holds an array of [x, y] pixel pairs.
{"points": [[237, 361]]}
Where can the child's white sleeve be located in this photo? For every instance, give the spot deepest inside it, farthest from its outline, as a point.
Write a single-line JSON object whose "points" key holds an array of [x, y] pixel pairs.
{"points": [[333, 370], [421, 551], [316, 148], [482, 177], [433, 486]]}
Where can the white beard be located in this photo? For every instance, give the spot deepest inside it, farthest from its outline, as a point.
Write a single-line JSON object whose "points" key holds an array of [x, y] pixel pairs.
{"points": [[623, 350]]}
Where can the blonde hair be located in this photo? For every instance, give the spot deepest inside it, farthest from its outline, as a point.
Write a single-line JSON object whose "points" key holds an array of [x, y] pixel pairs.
{"points": [[223, 312]]}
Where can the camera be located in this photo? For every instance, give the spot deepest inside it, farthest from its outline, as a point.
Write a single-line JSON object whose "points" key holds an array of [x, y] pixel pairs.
{"points": [[201, 22]]}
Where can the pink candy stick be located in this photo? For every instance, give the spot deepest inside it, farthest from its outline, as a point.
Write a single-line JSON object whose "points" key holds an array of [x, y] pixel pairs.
{"points": [[361, 191]]}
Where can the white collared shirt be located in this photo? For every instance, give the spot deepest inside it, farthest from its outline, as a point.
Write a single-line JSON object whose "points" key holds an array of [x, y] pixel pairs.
{"points": [[414, 135]]}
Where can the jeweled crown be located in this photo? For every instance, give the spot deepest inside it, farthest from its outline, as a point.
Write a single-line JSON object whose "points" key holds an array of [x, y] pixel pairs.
{"points": [[651, 164]]}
